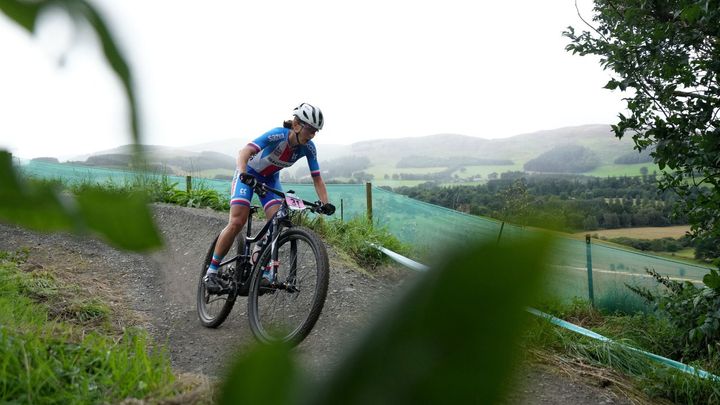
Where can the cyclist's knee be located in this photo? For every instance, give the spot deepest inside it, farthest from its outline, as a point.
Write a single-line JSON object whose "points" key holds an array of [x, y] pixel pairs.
{"points": [[238, 217]]}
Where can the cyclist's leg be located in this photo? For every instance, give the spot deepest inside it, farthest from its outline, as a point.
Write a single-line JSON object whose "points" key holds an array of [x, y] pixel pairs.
{"points": [[238, 218], [271, 202], [241, 195]]}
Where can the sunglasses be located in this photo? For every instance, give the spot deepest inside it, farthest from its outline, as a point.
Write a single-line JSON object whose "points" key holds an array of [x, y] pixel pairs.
{"points": [[309, 129]]}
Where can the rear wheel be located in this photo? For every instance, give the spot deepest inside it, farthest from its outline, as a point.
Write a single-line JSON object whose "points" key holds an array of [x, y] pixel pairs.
{"points": [[288, 309], [213, 309]]}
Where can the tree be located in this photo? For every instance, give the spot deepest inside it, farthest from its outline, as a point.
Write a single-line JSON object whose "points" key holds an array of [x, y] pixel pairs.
{"points": [[665, 54], [515, 201]]}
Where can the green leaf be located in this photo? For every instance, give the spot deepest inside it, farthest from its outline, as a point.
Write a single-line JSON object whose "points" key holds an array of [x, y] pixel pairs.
{"points": [[118, 64], [28, 205], [24, 13], [691, 13], [712, 280], [612, 84], [264, 375], [452, 337], [124, 220]]}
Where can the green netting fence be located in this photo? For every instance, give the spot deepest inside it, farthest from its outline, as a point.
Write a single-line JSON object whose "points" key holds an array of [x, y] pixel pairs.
{"points": [[430, 228]]}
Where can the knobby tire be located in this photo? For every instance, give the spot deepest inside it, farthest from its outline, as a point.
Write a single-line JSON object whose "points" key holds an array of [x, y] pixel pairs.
{"points": [[264, 305]]}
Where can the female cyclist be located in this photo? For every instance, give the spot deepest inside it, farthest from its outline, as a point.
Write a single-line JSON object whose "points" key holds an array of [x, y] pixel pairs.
{"points": [[260, 161]]}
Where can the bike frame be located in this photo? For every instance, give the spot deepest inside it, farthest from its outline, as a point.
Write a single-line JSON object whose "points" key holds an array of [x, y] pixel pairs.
{"points": [[273, 227]]}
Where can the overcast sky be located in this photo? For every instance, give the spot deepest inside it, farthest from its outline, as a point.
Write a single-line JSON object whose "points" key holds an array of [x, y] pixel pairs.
{"points": [[378, 69]]}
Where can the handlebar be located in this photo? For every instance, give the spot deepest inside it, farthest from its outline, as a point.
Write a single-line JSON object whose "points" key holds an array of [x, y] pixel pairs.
{"points": [[262, 188]]}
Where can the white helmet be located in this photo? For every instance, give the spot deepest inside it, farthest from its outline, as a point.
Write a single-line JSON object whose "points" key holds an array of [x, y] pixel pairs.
{"points": [[309, 115]]}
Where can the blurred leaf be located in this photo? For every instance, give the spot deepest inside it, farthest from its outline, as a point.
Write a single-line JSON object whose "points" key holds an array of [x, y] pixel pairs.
{"points": [[265, 375], [123, 219], [28, 205], [453, 338], [23, 12], [118, 64]]}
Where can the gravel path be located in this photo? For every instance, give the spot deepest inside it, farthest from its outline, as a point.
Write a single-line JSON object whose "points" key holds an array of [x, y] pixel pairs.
{"points": [[159, 289]]}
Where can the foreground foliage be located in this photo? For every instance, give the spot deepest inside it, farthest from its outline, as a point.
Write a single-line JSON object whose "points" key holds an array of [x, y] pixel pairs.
{"points": [[450, 337], [694, 311]]}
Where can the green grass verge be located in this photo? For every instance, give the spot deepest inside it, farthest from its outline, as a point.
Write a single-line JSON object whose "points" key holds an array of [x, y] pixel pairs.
{"points": [[354, 237], [46, 360], [642, 331]]}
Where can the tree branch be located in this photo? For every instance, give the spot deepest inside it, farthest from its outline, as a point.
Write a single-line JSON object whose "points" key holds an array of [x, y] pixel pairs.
{"points": [[695, 95]]}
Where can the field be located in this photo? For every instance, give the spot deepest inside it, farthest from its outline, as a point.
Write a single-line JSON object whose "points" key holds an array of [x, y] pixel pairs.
{"points": [[642, 233], [622, 170]]}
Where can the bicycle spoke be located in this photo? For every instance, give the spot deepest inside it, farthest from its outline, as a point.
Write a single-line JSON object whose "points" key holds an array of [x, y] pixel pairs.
{"points": [[283, 311], [289, 311]]}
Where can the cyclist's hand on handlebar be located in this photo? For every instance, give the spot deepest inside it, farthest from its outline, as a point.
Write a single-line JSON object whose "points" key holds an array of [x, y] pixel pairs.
{"points": [[248, 179], [327, 209]]}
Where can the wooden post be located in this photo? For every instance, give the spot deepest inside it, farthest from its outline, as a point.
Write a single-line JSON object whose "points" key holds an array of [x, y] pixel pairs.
{"points": [[188, 184], [500, 233], [368, 195], [591, 295], [342, 219]]}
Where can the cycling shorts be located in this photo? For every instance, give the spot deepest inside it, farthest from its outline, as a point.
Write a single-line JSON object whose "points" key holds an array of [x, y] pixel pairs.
{"points": [[241, 193]]}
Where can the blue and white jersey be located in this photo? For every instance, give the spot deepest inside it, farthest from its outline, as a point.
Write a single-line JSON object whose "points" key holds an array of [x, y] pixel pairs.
{"points": [[273, 152]]}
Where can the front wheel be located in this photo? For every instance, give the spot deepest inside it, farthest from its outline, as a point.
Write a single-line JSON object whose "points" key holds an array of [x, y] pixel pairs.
{"points": [[213, 309], [288, 309]]}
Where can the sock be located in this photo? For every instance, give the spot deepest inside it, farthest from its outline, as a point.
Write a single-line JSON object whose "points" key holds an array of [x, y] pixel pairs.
{"points": [[214, 263]]}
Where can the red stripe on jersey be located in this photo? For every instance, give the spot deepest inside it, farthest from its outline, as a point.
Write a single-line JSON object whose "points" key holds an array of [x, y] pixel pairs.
{"points": [[287, 153]]}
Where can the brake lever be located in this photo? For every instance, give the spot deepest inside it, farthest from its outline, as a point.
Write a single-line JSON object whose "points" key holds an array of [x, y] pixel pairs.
{"points": [[260, 190]]}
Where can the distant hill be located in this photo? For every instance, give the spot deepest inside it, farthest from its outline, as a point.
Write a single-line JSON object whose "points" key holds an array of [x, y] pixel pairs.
{"points": [[167, 159], [519, 148], [458, 156], [571, 158]]}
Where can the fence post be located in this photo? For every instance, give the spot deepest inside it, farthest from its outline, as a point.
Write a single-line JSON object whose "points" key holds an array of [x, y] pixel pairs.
{"points": [[342, 218], [188, 184], [589, 270], [368, 196], [500, 233]]}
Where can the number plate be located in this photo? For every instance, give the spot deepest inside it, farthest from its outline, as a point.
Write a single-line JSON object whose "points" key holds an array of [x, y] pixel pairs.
{"points": [[294, 203]]}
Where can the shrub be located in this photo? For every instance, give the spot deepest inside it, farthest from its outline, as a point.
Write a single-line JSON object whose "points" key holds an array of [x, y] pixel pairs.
{"points": [[695, 311]]}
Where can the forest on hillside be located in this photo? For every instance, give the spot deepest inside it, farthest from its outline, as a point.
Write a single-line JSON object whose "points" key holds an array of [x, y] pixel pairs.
{"points": [[569, 203]]}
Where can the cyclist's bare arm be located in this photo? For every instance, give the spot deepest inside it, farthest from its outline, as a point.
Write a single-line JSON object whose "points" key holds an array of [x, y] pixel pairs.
{"points": [[320, 189], [243, 156]]}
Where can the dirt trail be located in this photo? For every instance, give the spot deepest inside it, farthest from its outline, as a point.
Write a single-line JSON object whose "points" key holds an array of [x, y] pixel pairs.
{"points": [[161, 287]]}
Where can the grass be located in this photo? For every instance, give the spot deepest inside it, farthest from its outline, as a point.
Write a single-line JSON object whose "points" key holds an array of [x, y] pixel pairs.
{"points": [[616, 170], [48, 356], [647, 332], [354, 237], [655, 232]]}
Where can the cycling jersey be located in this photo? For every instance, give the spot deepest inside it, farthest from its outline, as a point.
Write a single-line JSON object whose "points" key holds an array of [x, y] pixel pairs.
{"points": [[273, 152]]}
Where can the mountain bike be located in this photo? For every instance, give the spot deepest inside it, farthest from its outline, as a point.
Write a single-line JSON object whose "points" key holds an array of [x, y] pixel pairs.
{"points": [[285, 304]]}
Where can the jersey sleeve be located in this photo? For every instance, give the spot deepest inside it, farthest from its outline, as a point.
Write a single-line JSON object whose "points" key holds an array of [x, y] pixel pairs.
{"points": [[267, 138], [311, 155]]}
